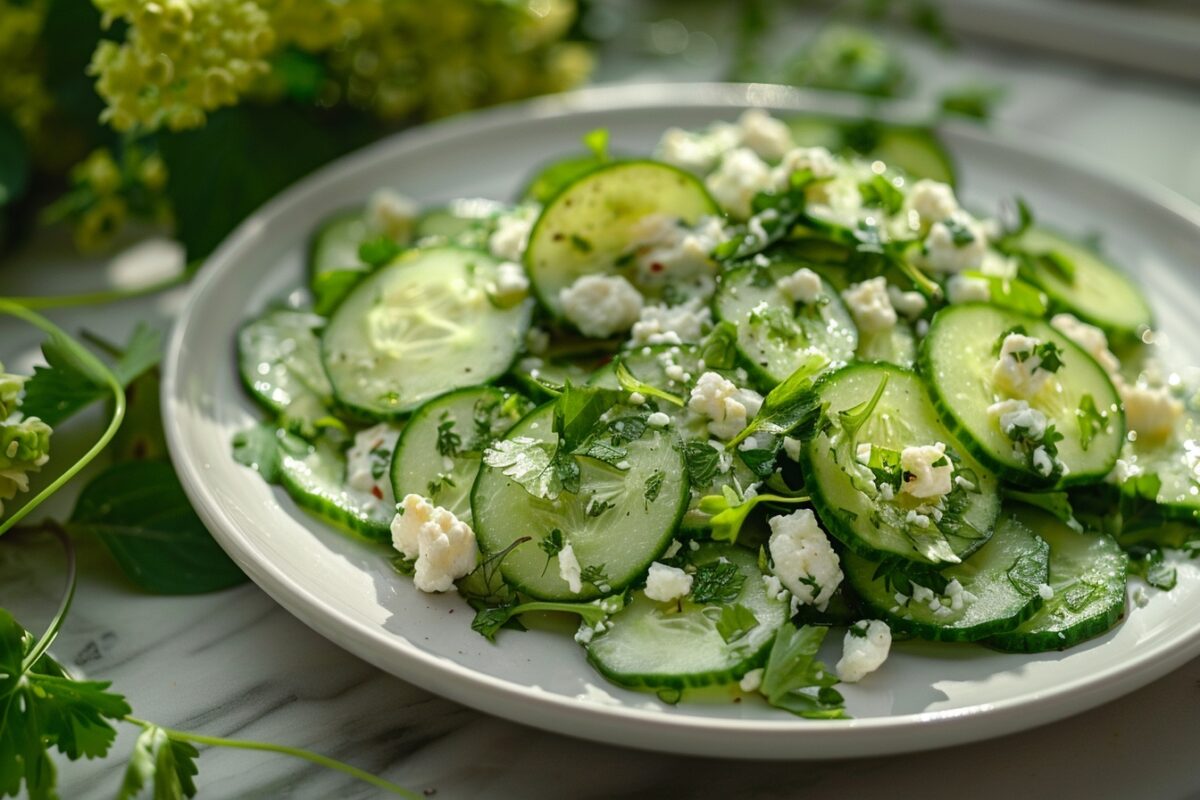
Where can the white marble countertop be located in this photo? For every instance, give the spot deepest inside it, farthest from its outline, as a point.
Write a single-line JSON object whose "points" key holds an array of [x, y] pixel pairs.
{"points": [[236, 664]]}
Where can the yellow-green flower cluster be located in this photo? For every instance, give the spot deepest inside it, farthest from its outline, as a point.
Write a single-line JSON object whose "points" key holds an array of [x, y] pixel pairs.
{"points": [[180, 60], [22, 93], [24, 443]]}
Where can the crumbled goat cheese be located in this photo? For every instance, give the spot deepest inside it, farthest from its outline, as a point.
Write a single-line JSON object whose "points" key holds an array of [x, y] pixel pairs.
{"points": [[870, 306], [791, 447], [636, 399], [658, 420], [697, 152], [741, 175], [817, 160], [914, 517], [910, 304], [1018, 371], [727, 407], [511, 285], [1140, 598], [1151, 412], [802, 286], [392, 214], [996, 265], [663, 324], [442, 545], [368, 459], [1045, 591], [569, 569], [751, 681], [803, 559], [765, 135], [944, 254], [1123, 470], [864, 650], [1043, 464], [601, 305], [838, 200], [1090, 338], [667, 584], [928, 471], [509, 239], [1017, 420], [967, 289], [666, 250], [933, 201]]}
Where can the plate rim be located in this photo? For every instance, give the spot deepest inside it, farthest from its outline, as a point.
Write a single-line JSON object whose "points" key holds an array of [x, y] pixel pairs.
{"points": [[561, 713]]}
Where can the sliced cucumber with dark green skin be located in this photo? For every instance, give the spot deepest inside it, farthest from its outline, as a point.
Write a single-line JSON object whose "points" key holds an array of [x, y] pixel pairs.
{"points": [[958, 356], [1170, 467], [421, 326], [1088, 576], [639, 511], [1002, 577], [897, 345], [776, 333], [466, 222], [279, 360], [315, 477], [586, 228], [439, 452], [1091, 288], [655, 645], [845, 494], [334, 245]]}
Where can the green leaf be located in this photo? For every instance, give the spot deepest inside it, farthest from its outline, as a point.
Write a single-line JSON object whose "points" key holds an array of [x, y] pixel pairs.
{"points": [[795, 681], [597, 142], [717, 582], [330, 287], [1091, 421], [631, 384], [973, 101], [169, 766], [14, 162], [378, 252], [701, 460], [259, 449], [788, 404], [1147, 561], [484, 586], [1056, 503], [719, 348], [244, 156], [729, 512], [735, 622], [577, 411], [529, 462], [139, 511], [1012, 293], [852, 419], [489, 621]]}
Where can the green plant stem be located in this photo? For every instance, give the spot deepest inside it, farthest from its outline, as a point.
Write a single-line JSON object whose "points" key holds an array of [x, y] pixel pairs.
{"points": [[295, 752], [40, 303], [97, 370], [64, 606]]}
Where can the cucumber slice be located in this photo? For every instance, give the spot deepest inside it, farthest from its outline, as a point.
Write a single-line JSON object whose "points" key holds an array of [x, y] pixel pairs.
{"points": [[958, 356], [1097, 292], [844, 493], [646, 502], [1174, 465], [656, 645], [895, 346], [1087, 574], [438, 453], [279, 361], [417, 328], [334, 245], [775, 333], [1003, 577], [315, 477], [585, 229]]}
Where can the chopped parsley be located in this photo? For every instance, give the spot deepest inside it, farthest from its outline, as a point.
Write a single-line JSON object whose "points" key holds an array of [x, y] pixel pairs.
{"points": [[717, 582], [654, 485]]}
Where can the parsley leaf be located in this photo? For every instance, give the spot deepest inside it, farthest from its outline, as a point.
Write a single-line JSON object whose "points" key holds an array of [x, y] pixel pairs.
{"points": [[795, 681], [717, 582], [488, 621], [702, 462], [597, 142], [852, 419], [631, 384], [1050, 355], [728, 511], [719, 348], [552, 544], [578, 409], [654, 485], [528, 462], [167, 764], [735, 622], [378, 251], [484, 586], [1091, 421], [1147, 561], [1056, 503], [788, 404], [448, 440], [596, 575]]}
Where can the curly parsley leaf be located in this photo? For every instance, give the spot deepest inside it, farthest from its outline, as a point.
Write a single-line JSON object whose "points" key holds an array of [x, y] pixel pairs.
{"points": [[795, 681], [552, 544], [168, 765]]}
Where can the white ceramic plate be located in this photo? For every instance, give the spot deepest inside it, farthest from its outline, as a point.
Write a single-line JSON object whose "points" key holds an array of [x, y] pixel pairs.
{"points": [[925, 696]]}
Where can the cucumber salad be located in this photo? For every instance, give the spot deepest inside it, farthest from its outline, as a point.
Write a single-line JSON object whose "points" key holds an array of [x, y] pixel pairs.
{"points": [[712, 403]]}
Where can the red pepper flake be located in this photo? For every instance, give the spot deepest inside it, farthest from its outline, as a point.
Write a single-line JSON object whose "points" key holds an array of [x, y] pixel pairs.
{"points": [[657, 266], [375, 490]]}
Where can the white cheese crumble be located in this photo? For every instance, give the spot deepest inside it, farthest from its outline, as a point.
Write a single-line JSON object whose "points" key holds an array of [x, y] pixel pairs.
{"points": [[1140, 598], [928, 471], [663, 324], [511, 236], [791, 447], [368, 460], [741, 175], [1017, 420], [658, 420], [864, 650], [511, 285], [666, 250], [697, 152], [1123, 470], [392, 214], [933, 201], [967, 289], [1018, 370], [601, 305], [762, 133], [802, 286], [1151, 411], [1045, 591], [944, 254], [751, 681], [803, 559], [817, 160], [870, 305], [667, 584], [569, 569], [727, 407], [442, 545], [1090, 338], [1043, 464], [910, 304]]}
